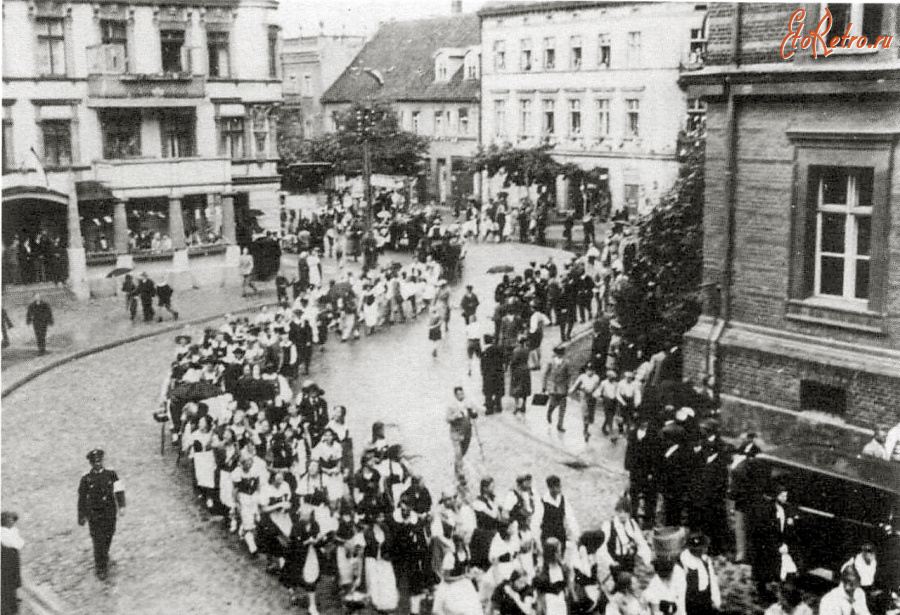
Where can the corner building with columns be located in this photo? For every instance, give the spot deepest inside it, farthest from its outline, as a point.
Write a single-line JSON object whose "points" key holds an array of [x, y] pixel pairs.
{"points": [[599, 82], [137, 134]]}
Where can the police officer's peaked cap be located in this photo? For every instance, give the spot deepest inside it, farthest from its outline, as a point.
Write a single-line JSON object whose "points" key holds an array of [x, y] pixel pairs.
{"points": [[95, 455]]}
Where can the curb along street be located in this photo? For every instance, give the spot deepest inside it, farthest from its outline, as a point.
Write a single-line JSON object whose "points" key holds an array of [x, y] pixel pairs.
{"points": [[74, 356]]}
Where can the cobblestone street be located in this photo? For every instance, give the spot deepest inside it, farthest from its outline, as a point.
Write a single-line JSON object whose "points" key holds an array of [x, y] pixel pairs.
{"points": [[168, 556]]}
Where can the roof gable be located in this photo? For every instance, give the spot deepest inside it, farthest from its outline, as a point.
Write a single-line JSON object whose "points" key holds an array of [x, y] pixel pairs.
{"points": [[402, 54]]}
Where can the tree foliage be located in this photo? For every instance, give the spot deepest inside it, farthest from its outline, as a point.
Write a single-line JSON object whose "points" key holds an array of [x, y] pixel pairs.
{"points": [[662, 298], [523, 167], [393, 150]]}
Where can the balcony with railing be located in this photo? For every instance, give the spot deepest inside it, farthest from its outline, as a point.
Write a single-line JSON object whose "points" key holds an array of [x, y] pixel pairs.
{"points": [[111, 75]]}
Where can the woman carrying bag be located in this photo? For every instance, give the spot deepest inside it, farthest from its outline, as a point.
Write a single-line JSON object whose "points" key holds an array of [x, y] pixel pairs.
{"points": [[381, 583], [553, 581], [301, 569]]}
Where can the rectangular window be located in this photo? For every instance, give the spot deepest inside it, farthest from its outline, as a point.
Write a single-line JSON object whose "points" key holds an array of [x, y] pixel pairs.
{"points": [[843, 232], [524, 117], [438, 123], [499, 118], [307, 85], [603, 51], [548, 126], [575, 53], [634, 49], [231, 138], [633, 117], [415, 122], [574, 117], [698, 43], [696, 114], [51, 47], [114, 36], [217, 47], [821, 397], [525, 59], [57, 143], [632, 197], [273, 52], [177, 133], [862, 19], [602, 117], [463, 121], [499, 55], [172, 45], [549, 53], [121, 129], [472, 71], [9, 157]]}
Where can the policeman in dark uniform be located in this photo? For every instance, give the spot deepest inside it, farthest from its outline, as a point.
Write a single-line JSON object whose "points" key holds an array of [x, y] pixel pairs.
{"points": [[101, 498]]}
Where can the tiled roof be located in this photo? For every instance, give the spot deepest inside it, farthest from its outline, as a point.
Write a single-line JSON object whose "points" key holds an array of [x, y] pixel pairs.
{"points": [[401, 54]]}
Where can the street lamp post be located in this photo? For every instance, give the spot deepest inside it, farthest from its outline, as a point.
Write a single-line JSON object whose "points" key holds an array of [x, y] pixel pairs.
{"points": [[365, 122]]}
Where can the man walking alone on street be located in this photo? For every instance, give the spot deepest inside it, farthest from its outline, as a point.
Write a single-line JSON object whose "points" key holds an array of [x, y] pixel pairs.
{"points": [[460, 415], [101, 498], [40, 317], [557, 375], [469, 304], [146, 291]]}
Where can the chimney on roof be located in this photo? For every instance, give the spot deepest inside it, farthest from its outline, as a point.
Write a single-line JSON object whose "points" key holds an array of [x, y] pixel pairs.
{"points": [[456, 6]]}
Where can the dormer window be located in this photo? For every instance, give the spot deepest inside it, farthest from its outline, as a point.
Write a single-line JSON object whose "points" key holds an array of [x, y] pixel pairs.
{"points": [[442, 72]]}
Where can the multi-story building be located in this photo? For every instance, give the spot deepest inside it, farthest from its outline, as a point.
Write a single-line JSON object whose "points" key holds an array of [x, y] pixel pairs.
{"points": [[139, 131], [429, 70], [598, 81], [801, 237], [311, 64]]}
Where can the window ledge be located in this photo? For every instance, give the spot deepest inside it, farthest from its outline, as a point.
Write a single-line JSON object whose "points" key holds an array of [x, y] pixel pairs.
{"points": [[835, 313]]}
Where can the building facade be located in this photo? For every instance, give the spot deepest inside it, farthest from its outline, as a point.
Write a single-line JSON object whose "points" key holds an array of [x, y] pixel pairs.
{"points": [[429, 70], [801, 241], [139, 134], [311, 64], [598, 81]]}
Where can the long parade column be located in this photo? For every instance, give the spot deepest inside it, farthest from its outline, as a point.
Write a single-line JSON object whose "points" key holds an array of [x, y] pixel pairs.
{"points": [[77, 258]]}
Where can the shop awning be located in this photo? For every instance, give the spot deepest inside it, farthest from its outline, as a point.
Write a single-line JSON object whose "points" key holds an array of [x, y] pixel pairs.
{"points": [[91, 190], [41, 193]]}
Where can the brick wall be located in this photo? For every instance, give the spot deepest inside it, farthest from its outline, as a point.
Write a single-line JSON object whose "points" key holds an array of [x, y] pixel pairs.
{"points": [[772, 379], [763, 27], [764, 187], [761, 392]]}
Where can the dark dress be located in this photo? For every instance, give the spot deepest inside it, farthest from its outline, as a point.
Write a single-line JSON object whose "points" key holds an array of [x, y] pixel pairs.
{"points": [[297, 554], [519, 373]]}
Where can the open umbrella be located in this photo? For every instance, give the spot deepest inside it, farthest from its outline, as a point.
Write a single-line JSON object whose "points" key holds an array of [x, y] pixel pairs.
{"points": [[118, 271], [501, 269]]}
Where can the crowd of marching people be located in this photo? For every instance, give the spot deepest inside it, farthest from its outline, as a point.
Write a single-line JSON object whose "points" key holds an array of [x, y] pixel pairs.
{"points": [[275, 459]]}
